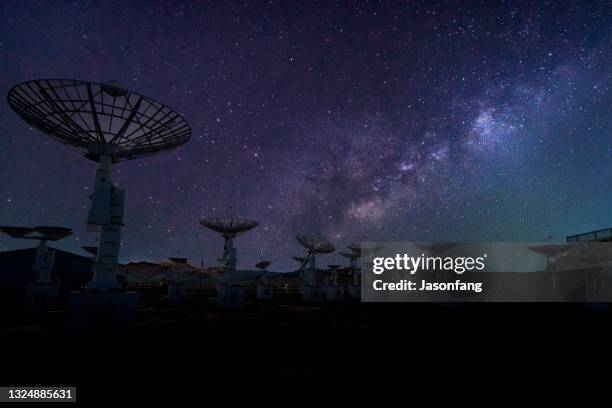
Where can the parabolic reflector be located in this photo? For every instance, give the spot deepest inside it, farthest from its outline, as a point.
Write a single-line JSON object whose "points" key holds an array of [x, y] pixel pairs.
{"points": [[315, 244], [88, 115]]}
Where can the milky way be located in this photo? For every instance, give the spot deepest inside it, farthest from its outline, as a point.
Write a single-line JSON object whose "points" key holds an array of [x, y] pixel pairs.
{"points": [[357, 120]]}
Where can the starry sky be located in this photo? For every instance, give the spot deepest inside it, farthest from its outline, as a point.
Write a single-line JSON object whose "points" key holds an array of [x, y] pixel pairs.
{"points": [[360, 121]]}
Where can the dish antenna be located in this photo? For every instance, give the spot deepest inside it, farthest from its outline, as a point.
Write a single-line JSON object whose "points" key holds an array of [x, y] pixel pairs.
{"points": [[299, 259], [352, 257], [108, 124], [43, 262], [355, 248], [354, 270], [229, 228], [314, 244], [263, 267]]}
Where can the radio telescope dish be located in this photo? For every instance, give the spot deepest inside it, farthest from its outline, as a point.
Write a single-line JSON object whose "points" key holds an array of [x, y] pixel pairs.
{"points": [[315, 244], [44, 233], [178, 261], [229, 228], [353, 269], [108, 124], [44, 260], [54, 233], [299, 259], [355, 248], [89, 114], [263, 265]]}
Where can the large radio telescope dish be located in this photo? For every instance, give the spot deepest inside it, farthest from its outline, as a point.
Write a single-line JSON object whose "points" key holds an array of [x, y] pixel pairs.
{"points": [[315, 244], [88, 115], [229, 226]]}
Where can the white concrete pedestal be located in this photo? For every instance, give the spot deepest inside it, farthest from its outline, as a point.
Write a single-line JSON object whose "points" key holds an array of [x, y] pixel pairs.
{"points": [[95, 311], [354, 292], [231, 297], [41, 296], [177, 292], [265, 292], [312, 294], [334, 293]]}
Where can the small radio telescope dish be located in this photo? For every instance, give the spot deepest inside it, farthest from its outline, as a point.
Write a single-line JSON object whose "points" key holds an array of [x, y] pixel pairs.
{"points": [[315, 244], [108, 124], [43, 262], [353, 269], [42, 233], [54, 233], [229, 228], [355, 248], [299, 259], [263, 265], [178, 261]]}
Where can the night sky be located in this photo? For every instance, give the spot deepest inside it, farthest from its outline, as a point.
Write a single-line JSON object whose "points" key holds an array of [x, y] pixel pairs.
{"points": [[461, 121]]}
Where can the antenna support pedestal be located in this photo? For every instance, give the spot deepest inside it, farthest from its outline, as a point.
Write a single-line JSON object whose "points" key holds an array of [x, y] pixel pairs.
{"points": [[42, 295], [105, 274], [100, 210]]}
